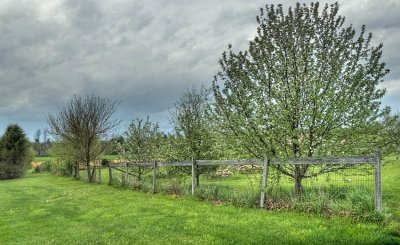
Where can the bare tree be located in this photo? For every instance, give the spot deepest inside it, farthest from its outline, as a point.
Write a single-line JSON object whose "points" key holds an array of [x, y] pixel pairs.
{"points": [[36, 136], [46, 142], [83, 123]]}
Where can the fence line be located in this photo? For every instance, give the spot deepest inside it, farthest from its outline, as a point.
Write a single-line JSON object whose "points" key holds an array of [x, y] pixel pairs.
{"points": [[307, 160], [374, 160]]}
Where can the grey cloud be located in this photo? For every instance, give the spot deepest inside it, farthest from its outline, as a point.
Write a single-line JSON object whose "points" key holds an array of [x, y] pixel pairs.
{"points": [[142, 53]]}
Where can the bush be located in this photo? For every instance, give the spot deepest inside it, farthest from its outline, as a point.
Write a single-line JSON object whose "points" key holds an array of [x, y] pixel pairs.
{"points": [[105, 162], [43, 167], [15, 153]]}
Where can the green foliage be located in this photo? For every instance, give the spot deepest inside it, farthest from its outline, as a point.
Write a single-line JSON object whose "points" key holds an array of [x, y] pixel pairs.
{"points": [[142, 142], [113, 145], [105, 162], [189, 117], [304, 78], [46, 167], [63, 167], [174, 148], [65, 162], [193, 128], [15, 153], [390, 134]]}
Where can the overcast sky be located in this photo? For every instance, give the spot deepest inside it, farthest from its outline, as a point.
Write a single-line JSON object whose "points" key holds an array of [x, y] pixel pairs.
{"points": [[144, 54]]}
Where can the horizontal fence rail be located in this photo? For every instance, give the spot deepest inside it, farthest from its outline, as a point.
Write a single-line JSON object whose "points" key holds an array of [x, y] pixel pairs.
{"points": [[290, 161]]}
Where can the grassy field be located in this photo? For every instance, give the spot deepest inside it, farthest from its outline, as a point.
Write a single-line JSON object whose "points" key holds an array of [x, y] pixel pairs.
{"points": [[45, 209]]}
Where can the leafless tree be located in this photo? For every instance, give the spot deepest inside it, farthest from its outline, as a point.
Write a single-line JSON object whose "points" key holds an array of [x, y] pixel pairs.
{"points": [[84, 123]]}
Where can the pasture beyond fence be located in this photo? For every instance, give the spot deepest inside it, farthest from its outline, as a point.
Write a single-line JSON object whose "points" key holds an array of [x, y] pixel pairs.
{"points": [[374, 161]]}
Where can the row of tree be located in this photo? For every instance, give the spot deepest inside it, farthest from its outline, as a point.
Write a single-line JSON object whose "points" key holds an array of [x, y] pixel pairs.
{"points": [[307, 86], [195, 136], [41, 142]]}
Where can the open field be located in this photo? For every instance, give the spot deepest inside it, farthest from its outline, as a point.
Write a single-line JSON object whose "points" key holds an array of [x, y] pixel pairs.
{"points": [[45, 209]]}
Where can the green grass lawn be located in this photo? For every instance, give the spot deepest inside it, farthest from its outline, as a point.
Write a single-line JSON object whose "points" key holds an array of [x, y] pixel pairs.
{"points": [[45, 209]]}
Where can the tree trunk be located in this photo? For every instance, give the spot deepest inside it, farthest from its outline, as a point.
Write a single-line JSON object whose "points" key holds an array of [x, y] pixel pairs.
{"points": [[298, 185], [88, 172], [139, 177], [298, 173], [93, 174], [197, 180], [77, 171]]}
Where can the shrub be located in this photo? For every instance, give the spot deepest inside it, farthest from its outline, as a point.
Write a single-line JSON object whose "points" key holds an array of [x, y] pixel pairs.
{"points": [[105, 162], [42, 167]]}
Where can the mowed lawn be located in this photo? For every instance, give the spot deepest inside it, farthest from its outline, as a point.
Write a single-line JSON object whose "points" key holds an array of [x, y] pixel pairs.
{"points": [[46, 209]]}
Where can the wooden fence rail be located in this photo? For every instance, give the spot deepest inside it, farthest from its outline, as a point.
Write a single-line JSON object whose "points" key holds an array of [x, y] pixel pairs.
{"points": [[374, 160]]}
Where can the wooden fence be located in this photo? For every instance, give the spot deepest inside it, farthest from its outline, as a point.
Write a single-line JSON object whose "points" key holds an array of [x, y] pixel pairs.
{"points": [[374, 160]]}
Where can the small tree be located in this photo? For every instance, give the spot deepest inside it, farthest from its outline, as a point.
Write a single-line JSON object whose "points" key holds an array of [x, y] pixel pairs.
{"points": [[67, 159], [304, 78], [142, 143], [190, 118], [174, 148], [83, 124], [15, 153]]}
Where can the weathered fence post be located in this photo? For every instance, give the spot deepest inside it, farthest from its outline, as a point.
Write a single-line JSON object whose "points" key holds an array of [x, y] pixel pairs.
{"points": [[264, 182], [193, 176], [109, 174], [100, 171], [378, 181], [154, 176], [93, 178], [126, 173]]}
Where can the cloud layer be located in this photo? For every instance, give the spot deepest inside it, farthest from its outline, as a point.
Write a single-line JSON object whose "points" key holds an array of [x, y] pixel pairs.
{"points": [[142, 53]]}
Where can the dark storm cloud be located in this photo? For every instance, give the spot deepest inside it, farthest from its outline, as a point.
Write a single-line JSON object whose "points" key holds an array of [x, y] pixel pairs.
{"points": [[144, 54]]}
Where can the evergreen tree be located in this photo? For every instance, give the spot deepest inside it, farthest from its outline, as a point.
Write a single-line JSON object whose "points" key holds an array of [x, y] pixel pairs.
{"points": [[15, 154]]}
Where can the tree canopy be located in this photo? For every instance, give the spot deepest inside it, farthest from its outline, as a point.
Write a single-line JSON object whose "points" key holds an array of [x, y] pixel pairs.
{"points": [[304, 78], [193, 127]]}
